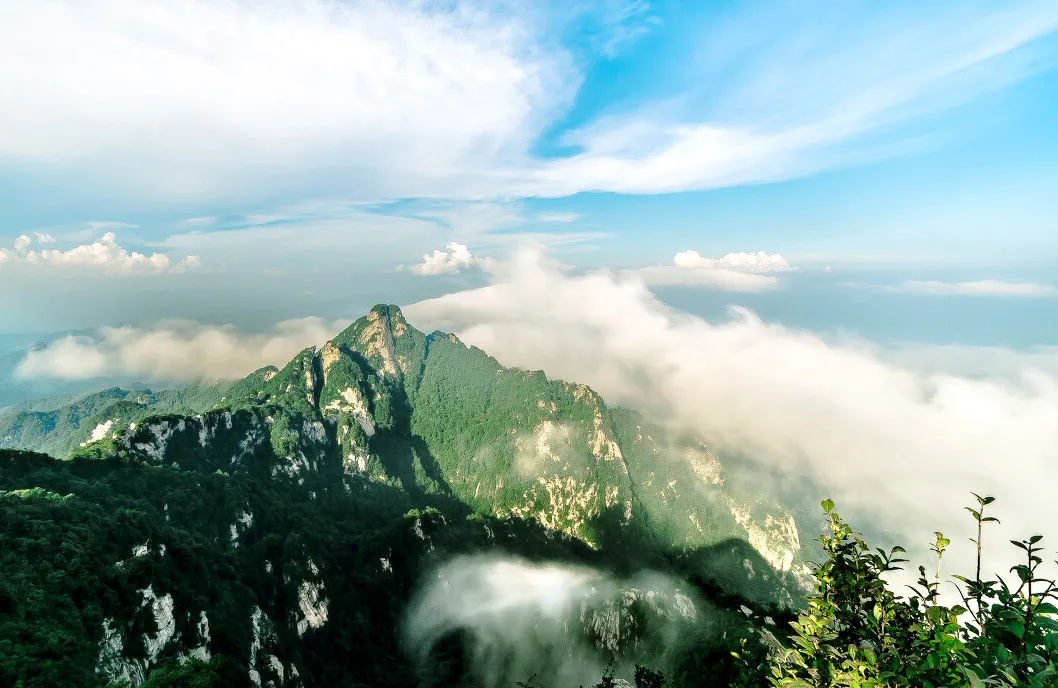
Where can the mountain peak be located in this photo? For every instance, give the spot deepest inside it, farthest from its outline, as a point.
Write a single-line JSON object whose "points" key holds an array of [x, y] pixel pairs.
{"points": [[377, 336], [390, 317]]}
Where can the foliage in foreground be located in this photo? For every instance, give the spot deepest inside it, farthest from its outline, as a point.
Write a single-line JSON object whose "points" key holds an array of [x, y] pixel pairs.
{"points": [[857, 632]]}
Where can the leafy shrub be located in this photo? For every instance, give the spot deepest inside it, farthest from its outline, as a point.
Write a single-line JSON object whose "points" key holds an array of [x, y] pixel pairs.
{"points": [[856, 632]]}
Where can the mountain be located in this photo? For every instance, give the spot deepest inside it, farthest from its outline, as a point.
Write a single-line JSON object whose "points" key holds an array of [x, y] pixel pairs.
{"points": [[279, 534], [58, 425]]}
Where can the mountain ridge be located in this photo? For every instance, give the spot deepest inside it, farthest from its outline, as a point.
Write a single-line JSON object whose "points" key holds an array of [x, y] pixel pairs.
{"points": [[374, 373], [432, 439]]}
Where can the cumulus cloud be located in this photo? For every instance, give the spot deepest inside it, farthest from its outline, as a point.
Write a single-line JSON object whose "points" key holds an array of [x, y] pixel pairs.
{"points": [[741, 262], [105, 254], [452, 259], [903, 443], [977, 288], [175, 350]]}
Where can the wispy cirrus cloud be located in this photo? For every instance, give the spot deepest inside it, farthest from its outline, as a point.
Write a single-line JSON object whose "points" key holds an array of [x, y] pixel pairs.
{"points": [[558, 217], [783, 94]]}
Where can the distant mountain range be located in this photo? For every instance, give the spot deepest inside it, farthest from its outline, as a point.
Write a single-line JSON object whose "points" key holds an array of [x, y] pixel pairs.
{"points": [[275, 527]]}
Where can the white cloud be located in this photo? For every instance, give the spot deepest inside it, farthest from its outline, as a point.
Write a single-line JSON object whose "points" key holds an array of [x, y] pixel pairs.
{"points": [[454, 258], [545, 620], [784, 93], [558, 217], [905, 444], [981, 362], [717, 278], [108, 225], [412, 99], [182, 93], [740, 272], [188, 263], [105, 255], [175, 350], [758, 262], [976, 288], [44, 238]]}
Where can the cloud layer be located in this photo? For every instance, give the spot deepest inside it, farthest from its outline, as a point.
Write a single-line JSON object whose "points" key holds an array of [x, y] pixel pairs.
{"points": [[739, 272], [712, 278], [898, 441], [741, 262], [105, 255], [175, 350], [976, 288]]}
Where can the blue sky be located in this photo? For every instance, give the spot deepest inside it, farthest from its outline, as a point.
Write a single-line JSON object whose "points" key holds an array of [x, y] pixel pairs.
{"points": [[300, 151]]}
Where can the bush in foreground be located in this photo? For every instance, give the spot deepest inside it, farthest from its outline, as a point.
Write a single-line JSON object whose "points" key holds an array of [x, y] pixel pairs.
{"points": [[857, 632]]}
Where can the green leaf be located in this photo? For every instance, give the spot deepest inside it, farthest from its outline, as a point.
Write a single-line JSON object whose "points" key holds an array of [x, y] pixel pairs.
{"points": [[828, 505], [1015, 626], [973, 678]]}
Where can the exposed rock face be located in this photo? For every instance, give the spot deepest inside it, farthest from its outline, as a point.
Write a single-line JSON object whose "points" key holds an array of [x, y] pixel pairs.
{"points": [[775, 538], [313, 605], [376, 339], [113, 663], [100, 431]]}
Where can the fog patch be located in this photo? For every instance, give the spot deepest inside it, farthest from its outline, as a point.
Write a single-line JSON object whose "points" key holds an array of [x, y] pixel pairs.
{"points": [[562, 623], [174, 350], [902, 443]]}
